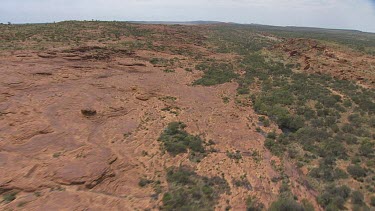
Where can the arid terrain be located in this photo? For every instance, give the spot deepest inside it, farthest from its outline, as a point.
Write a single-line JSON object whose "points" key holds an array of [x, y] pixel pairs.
{"points": [[126, 116]]}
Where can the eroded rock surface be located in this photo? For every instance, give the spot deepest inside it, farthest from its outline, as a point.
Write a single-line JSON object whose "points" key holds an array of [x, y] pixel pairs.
{"points": [[79, 125]]}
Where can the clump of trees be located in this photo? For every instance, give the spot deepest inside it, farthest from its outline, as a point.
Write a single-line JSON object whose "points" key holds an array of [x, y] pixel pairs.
{"points": [[175, 140], [189, 191], [286, 204], [356, 171], [252, 204], [334, 197], [215, 73]]}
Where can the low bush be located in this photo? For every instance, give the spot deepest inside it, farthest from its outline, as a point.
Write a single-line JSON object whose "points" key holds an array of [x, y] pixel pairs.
{"points": [[286, 204], [356, 171], [176, 140], [275, 147], [159, 61], [169, 70], [242, 182], [8, 197], [357, 198], [189, 191], [334, 198], [234, 155], [367, 149], [372, 201], [143, 182], [252, 204], [214, 77], [216, 74]]}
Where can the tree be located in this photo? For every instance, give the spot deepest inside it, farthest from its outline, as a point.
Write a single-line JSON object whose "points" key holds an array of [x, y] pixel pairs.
{"points": [[357, 198], [286, 204], [356, 171]]}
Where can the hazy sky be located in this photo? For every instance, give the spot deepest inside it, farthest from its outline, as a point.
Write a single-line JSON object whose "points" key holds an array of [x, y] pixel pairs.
{"points": [[349, 14]]}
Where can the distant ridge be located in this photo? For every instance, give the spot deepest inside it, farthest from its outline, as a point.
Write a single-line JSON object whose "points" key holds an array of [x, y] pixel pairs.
{"points": [[293, 28], [301, 29], [177, 22]]}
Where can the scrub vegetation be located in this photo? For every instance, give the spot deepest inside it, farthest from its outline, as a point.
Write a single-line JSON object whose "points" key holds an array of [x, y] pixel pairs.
{"points": [[320, 123]]}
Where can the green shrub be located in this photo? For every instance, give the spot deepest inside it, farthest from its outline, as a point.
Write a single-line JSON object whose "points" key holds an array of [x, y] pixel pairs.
{"points": [[189, 191], [355, 119], [252, 204], [22, 203], [357, 198], [347, 103], [234, 155], [350, 139], [216, 74], [328, 173], [356, 171], [169, 70], [160, 61], [266, 123], [272, 135], [202, 66], [143, 182], [286, 204], [212, 77], [372, 201], [241, 90], [176, 140], [8, 197], [226, 100], [242, 182], [367, 148], [275, 147], [307, 205], [371, 122], [334, 198]]}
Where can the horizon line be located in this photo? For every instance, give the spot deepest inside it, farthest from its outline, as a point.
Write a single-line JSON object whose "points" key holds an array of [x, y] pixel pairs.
{"points": [[208, 22]]}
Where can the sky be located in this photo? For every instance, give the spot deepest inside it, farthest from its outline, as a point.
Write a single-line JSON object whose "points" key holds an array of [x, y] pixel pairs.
{"points": [[342, 14]]}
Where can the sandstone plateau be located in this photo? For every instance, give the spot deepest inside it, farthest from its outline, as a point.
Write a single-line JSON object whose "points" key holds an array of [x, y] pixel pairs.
{"points": [[80, 118]]}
